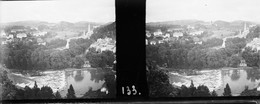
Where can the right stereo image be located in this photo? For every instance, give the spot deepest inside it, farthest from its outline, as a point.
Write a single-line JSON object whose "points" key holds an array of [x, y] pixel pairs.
{"points": [[202, 48]]}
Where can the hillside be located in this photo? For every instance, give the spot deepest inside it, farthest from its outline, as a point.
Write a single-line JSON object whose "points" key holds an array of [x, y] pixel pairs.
{"points": [[103, 31], [63, 25]]}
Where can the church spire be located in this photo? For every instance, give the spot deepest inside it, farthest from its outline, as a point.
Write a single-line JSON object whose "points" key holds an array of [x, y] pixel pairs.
{"points": [[245, 27], [88, 27]]}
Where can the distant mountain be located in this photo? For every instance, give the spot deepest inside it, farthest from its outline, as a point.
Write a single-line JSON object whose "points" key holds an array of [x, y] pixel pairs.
{"points": [[163, 26], [234, 25], [84, 23], [221, 23], [178, 22], [26, 23], [63, 25]]}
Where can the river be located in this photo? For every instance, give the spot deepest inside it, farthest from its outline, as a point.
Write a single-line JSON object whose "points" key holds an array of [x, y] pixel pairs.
{"points": [[237, 78], [81, 79]]}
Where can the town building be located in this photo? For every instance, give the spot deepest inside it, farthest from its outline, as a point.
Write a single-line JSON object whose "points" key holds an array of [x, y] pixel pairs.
{"points": [[157, 33], [160, 41], [177, 34], [243, 63], [21, 35], [2, 34], [148, 34], [40, 33], [167, 35], [196, 33], [153, 42], [90, 31], [10, 37]]}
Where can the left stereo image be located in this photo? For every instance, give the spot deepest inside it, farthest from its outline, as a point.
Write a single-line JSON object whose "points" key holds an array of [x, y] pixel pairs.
{"points": [[57, 49]]}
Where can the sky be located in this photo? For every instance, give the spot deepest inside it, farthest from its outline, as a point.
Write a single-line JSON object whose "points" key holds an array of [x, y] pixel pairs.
{"points": [[206, 10], [58, 10]]}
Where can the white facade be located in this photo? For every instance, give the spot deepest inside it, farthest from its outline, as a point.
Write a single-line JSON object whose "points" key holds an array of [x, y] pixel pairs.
{"points": [[10, 37], [43, 43], [160, 41], [40, 33], [21, 35], [157, 33], [2, 34], [196, 33], [148, 34], [4, 42], [177, 34], [104, 44], [190, 27], [167, 35], [90, 31], [200, 42], [153, 42]]}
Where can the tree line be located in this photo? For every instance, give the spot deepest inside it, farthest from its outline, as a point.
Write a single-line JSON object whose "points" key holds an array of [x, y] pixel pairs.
{"points": [[181, 55], [252, 57]]}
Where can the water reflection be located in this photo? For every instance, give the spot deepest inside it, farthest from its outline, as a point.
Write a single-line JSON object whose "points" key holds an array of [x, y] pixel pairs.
{"points": [[253, 74], [79, 76], [84, 79], [238, 78], [97, 75], [226, 72], [235, 75]]}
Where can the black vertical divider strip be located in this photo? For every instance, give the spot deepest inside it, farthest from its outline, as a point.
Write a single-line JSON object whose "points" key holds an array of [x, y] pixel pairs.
{"points": [[130, 48]]}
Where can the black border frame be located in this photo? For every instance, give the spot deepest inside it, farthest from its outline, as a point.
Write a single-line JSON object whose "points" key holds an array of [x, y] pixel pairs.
{"points": [[131, 65]]}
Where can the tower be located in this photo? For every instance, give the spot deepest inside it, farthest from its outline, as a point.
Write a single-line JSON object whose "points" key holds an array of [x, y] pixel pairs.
{"points": [[90, 32], [245, 27], [88, 27]]}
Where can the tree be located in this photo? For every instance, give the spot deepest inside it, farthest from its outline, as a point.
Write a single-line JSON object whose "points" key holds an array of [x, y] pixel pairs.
{"points": [[253, 33], [214, 93], [213, 42], [28, 93], [71, 93], [78, 62], [9, 90], [248, 92], [46, 93], [235, 45], [227, 91], [192, 88], [97, 59], [215, 59], [57, 95], [197, 58], [36, 91], [158, 81], [18, 53], [56, 43], [110, 80], [79, 46], [234, 61], [251, 56], [202, 91]]}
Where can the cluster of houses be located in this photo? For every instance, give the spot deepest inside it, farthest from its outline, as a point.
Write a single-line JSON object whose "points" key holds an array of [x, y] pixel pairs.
{"points": [[21, 34], [104, 44], [172, 34]]}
